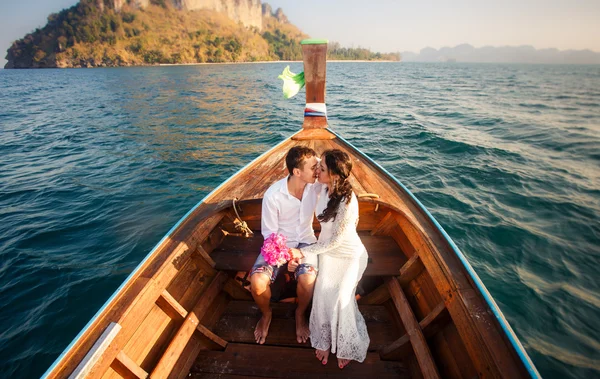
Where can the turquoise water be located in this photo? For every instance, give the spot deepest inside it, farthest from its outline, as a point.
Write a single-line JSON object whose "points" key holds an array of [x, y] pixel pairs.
{"points": [[97, 165]]}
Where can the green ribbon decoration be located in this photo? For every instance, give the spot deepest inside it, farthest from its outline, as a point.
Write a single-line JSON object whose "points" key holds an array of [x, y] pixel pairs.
{"points": [[292, 83]]}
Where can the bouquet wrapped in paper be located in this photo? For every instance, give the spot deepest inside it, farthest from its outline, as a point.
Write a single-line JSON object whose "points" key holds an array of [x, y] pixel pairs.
{"points": [[275, 251]]}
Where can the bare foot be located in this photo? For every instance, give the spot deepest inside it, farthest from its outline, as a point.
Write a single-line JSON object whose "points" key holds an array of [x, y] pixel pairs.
{"points": [[322, 355], [343, 362], [262, 328], [302, 330]]}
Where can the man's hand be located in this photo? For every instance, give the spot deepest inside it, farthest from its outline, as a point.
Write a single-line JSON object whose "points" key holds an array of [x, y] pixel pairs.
{"points": [[293, 265], [296, 253]]}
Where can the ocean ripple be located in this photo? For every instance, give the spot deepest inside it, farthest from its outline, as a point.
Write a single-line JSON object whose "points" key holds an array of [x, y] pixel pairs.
{"points": [[97, 165]]}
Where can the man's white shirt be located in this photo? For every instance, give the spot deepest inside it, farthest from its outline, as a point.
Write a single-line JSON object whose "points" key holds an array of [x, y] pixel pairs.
{"points": [[284, 214]]}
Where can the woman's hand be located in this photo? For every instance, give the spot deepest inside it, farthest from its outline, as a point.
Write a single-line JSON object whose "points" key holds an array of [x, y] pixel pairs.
{"points": [[296, 253]]}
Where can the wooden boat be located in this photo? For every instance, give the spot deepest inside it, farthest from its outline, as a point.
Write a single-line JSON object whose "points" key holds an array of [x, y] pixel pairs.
{"points": [[183, 311]]}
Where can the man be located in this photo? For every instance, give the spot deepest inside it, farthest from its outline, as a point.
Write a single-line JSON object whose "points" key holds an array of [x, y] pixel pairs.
{"points": [[288, 208]]}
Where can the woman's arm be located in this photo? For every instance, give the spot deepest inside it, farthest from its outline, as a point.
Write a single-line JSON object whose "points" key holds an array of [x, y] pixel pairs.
{"points": [[344, 222]]}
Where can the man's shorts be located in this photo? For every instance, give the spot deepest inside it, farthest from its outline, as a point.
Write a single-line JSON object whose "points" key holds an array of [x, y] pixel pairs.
{"points": [[308, 265]]}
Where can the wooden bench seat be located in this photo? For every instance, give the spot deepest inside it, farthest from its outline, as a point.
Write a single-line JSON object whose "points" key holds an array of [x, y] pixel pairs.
{"points": [[239, 253]]}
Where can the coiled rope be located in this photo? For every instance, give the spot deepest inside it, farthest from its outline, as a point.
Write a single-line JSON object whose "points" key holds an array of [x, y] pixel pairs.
{"points": [[241, 225]]}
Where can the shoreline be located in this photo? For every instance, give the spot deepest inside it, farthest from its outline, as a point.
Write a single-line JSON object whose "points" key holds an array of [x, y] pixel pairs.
{"points": [[198, 64], [257, 62]]}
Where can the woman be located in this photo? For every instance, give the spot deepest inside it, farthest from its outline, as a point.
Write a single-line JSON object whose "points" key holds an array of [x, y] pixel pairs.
{"points": [[336, 324]]}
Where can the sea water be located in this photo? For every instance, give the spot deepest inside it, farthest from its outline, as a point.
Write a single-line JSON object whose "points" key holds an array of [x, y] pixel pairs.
{"points": [[96, 165]]}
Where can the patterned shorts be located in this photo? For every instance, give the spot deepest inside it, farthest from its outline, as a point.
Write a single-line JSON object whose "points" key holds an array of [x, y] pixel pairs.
{"points": [[261, 266]]}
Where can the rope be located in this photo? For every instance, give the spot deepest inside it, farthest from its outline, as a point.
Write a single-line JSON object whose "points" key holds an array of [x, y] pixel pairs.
{"points": [[241, 225], [371, 196]]}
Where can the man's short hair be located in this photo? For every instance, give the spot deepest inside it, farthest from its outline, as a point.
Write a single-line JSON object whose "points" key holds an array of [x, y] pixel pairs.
{"points": [[296, 157]]}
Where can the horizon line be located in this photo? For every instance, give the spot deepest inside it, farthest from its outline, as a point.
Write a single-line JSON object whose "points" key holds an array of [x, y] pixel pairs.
{"points": [[501, 46]]}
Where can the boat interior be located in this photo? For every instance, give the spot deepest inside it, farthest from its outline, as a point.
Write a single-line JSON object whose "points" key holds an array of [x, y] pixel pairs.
{"points": [[187, 313]]}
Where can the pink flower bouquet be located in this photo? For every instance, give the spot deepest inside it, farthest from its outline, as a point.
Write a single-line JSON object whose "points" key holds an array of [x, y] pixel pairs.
{"points": [[275, 251]]}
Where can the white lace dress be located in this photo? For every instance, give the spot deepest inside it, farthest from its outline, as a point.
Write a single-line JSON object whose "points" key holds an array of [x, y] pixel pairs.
{"points": [[335, 321]]}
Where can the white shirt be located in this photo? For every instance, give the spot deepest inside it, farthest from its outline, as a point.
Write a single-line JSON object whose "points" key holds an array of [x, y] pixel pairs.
{"points": [[284, 214]]}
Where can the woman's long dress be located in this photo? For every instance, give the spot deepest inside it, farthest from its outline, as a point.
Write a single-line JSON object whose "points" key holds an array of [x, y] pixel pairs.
{"points": [[335, 321]]}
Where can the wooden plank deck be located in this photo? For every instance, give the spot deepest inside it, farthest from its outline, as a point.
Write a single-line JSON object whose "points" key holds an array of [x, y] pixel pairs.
{"points": [[252, 360], [240, 317]]}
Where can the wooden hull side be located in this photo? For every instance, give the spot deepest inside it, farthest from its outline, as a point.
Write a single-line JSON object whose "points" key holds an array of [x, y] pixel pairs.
{"points": [[133, 298], [170, 308], [453, 275]]}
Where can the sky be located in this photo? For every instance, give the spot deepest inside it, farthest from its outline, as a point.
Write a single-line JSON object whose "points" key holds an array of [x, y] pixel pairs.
{"points": [[394, 25]]}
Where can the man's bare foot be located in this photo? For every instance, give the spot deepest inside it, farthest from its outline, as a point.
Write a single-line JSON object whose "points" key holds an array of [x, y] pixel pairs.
{"points": [[302, 329], [343, 362], [262, 328], [322, 355]]}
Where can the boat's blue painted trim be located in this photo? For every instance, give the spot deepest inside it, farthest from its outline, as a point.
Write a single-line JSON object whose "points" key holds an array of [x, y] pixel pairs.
{"points": [[514, 340], [139, 266]]}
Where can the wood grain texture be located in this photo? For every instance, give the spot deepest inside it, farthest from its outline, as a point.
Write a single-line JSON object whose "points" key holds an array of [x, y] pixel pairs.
{"points": [[249, 360], [127, 368], [313, 134], [190, 324], [315, 74], [385, 223], [239, 254], [155, 332], [378, 296], [237, 323], [236, 291], [410, 270], [484, 343], [152, 334], [170, 306], [413, 330], [218, 342], [430, 325]]}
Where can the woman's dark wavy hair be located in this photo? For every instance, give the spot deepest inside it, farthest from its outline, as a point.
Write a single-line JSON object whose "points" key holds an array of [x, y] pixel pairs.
{"points": [[338, 163]]}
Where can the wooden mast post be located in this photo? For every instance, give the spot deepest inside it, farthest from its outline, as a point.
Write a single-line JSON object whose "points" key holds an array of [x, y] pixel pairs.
{"points": [[314, 52]]}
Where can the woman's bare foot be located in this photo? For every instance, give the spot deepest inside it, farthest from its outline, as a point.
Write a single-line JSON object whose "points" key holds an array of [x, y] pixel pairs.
{"points": [[343, 362], [302, 330], [262, 328], [322, 355]]}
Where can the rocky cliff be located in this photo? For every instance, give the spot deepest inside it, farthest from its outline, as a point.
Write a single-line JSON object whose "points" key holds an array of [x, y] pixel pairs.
{"points": [[117, 5], [248, 12], [278, 15], [99, 33]]}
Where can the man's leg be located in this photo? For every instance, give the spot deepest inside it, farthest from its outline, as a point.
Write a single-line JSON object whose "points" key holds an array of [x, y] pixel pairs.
{"points": [[306, 274], [304, 290], [261, 277], [260, 286]]}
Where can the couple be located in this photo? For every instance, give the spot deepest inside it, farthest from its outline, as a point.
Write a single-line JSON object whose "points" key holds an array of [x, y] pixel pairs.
{"points": [[339, 258]]}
